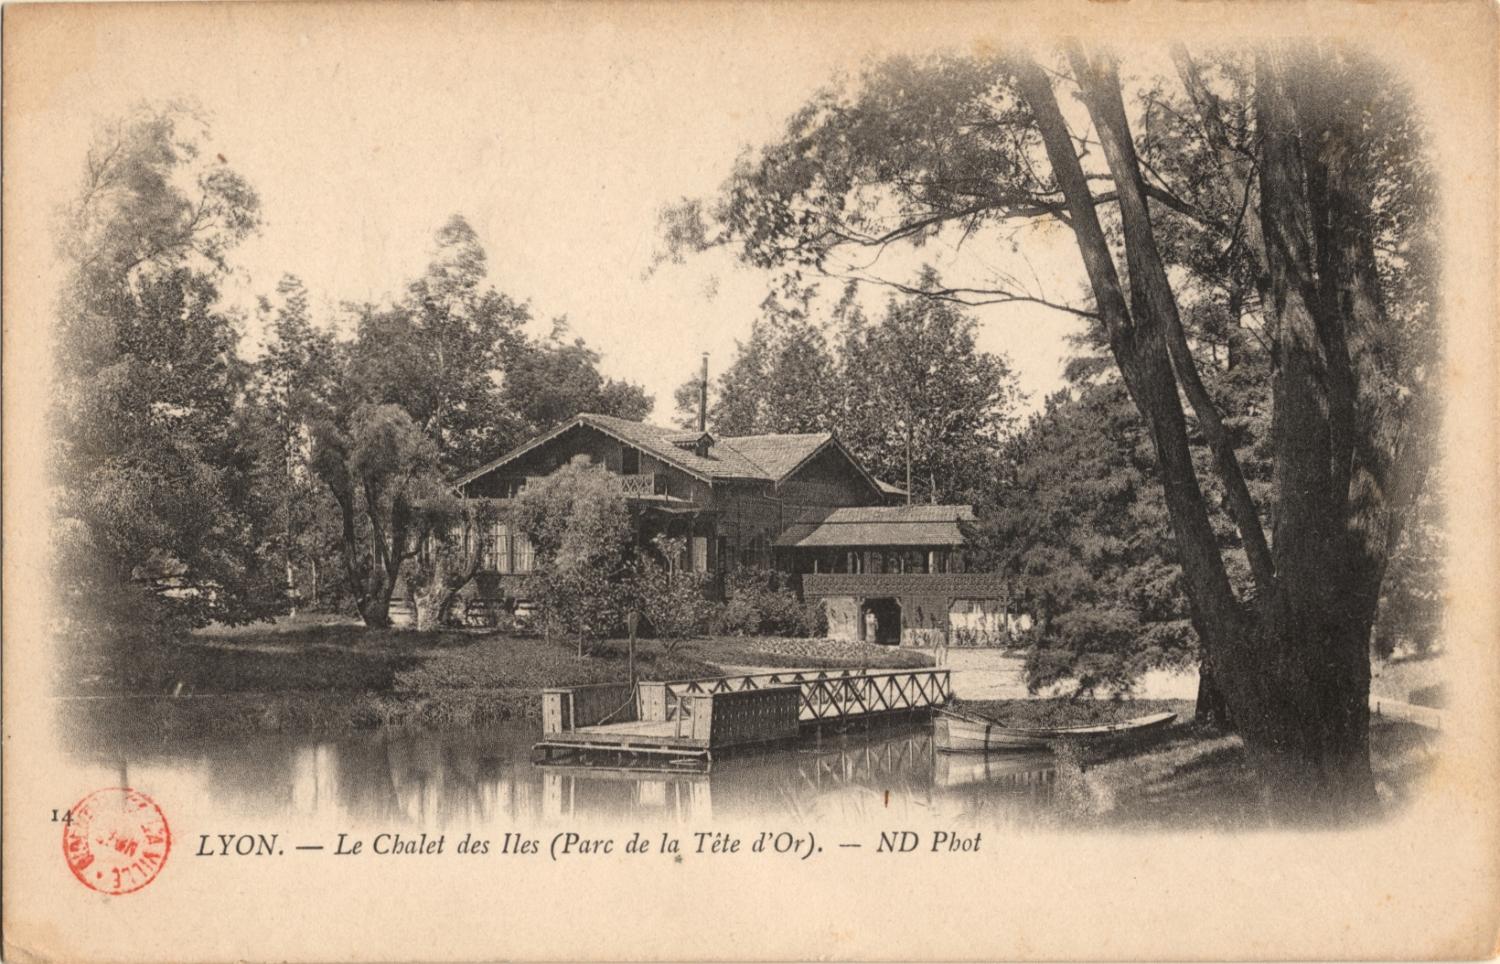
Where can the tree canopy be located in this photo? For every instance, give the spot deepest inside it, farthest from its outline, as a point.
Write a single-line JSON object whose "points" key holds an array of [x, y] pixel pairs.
{"points": [[911, 393], [157, 514], [1280, 194], [197, 485]]}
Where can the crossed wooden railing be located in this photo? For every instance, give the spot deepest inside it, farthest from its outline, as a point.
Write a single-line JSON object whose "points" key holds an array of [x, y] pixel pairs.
{"points": [[636, 485], [824, 694]]}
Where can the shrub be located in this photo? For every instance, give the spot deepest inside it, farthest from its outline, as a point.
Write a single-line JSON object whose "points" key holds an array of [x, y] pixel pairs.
{"points": [[674, 603], [1106, 649], [579, 525], [759, 603]]}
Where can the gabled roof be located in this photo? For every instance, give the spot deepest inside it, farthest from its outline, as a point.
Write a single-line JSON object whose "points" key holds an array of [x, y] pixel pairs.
{"points": [[782, 456], [761, 458], [896, 525], [720, 462], [778, 455]]}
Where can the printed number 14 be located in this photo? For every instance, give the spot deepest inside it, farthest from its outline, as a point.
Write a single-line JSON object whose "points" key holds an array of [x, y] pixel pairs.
{"points": [[65, 817]]}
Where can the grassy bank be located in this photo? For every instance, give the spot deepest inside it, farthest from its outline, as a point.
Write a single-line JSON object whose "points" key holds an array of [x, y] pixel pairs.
{"points": [[304, 677], [1204, 779], [1195, 776], [801, 653], [319, 675]]}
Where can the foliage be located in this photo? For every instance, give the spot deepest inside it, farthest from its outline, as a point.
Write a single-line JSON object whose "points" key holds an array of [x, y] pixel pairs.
{"points": [[922, 404], [675, 603], [549, 380], [381, 468], [783, 379], [1411, 606], [580, 529], [292, 387], [159, 523], [456, 379], [1084, 532], [435, 351], [1081, 524], [911, 391], [1294, 188], [758, 602]]}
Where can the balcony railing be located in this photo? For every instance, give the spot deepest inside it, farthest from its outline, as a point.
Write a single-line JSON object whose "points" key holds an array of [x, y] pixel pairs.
{"points": [[640, 486]]}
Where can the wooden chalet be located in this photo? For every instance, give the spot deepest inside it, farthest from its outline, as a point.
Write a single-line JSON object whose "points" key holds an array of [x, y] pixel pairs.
{"points": [[799, 503]]}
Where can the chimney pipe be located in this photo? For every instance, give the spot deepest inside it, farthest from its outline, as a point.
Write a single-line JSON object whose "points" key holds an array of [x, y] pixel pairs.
{"points": [[703, 397]]}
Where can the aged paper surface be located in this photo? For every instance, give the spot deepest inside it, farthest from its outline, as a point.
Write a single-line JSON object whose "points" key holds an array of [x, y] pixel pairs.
{"points": [[617, 95]]}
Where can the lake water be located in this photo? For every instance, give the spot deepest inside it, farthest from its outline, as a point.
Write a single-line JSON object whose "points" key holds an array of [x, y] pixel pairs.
{"points": [[484, 780]]}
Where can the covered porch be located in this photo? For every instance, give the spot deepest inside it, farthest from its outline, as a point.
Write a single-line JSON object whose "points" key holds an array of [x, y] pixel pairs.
{"points": [[697, 527]]}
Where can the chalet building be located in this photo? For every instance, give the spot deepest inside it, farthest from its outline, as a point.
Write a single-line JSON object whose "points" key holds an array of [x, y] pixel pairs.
{"points": [[888, 572]]}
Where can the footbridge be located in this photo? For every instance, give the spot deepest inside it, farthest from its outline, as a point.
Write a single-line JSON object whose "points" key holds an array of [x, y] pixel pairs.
{"points": [[684, 723]]}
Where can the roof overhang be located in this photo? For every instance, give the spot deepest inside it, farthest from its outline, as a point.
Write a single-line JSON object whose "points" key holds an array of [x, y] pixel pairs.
{"points": [[872, 535], [833, 440], [575, 422]]}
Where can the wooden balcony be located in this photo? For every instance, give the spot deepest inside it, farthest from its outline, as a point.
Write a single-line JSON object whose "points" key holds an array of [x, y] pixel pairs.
{"points": [[645, 485]]}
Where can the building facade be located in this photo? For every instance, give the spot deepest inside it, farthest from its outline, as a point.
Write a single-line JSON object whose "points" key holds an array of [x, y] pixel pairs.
{"points": [[799, 503]]}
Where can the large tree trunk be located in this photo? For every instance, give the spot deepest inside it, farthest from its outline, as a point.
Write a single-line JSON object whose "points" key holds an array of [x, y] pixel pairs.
{"points": [[430, 604], [1210, 707], [1315, 628], [374, 601], [367, 575], [1291, 666], [433, 599]]}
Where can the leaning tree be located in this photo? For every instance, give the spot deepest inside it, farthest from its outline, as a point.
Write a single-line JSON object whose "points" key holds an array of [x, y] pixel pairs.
{"points": [[1288, 183]]}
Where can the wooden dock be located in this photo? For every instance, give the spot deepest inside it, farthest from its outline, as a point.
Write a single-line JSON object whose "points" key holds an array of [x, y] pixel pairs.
{"points": [[683, 723]]}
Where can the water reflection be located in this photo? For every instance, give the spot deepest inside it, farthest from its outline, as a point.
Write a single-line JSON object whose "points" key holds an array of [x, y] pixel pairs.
{"points": [[485, 778]]}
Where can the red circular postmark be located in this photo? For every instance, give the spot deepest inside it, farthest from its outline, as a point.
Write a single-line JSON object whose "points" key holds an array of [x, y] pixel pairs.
{"points": [[117, 840]]}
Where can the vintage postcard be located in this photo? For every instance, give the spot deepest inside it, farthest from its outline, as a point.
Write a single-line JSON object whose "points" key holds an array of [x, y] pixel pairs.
{"points": [[750, 481]]}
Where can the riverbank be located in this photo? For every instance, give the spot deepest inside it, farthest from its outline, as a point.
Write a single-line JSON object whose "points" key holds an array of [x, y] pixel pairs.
{"points": [[334, 678], [1194, 776], [321, 676]]}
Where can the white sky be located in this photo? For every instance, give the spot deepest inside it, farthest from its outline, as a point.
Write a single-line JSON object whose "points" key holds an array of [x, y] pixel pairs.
{"points": [[558, 136]]}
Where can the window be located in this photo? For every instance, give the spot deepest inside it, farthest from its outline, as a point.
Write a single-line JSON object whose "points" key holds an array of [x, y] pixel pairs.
{"points": [[504, 550], [630, 461]]}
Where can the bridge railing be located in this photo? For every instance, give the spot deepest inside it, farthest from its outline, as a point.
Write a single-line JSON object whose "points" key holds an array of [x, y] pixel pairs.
{"points": [[824, 694]]}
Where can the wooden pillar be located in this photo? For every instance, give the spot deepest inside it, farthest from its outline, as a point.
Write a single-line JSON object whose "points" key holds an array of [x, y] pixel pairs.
{"points": [[1005, 610]]}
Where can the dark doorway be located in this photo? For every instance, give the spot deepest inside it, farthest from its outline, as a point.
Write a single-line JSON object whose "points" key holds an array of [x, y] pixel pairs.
{"points": [[882, 620]]}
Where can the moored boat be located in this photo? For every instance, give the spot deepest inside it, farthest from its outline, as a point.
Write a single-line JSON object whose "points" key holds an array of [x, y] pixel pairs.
{"points": [[956, 731]]}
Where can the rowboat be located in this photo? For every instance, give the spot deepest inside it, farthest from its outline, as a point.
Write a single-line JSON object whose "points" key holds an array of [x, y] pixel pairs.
{"points": [[961, 732], [1011, 771]]}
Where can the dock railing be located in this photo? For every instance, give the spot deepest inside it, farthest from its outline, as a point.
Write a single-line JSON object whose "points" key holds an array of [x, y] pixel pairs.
{"points": [[824, 694], [568, 708]]}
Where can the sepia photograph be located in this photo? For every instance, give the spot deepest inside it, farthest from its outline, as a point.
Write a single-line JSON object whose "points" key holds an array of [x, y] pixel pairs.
{"points": [[560, 468]]}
